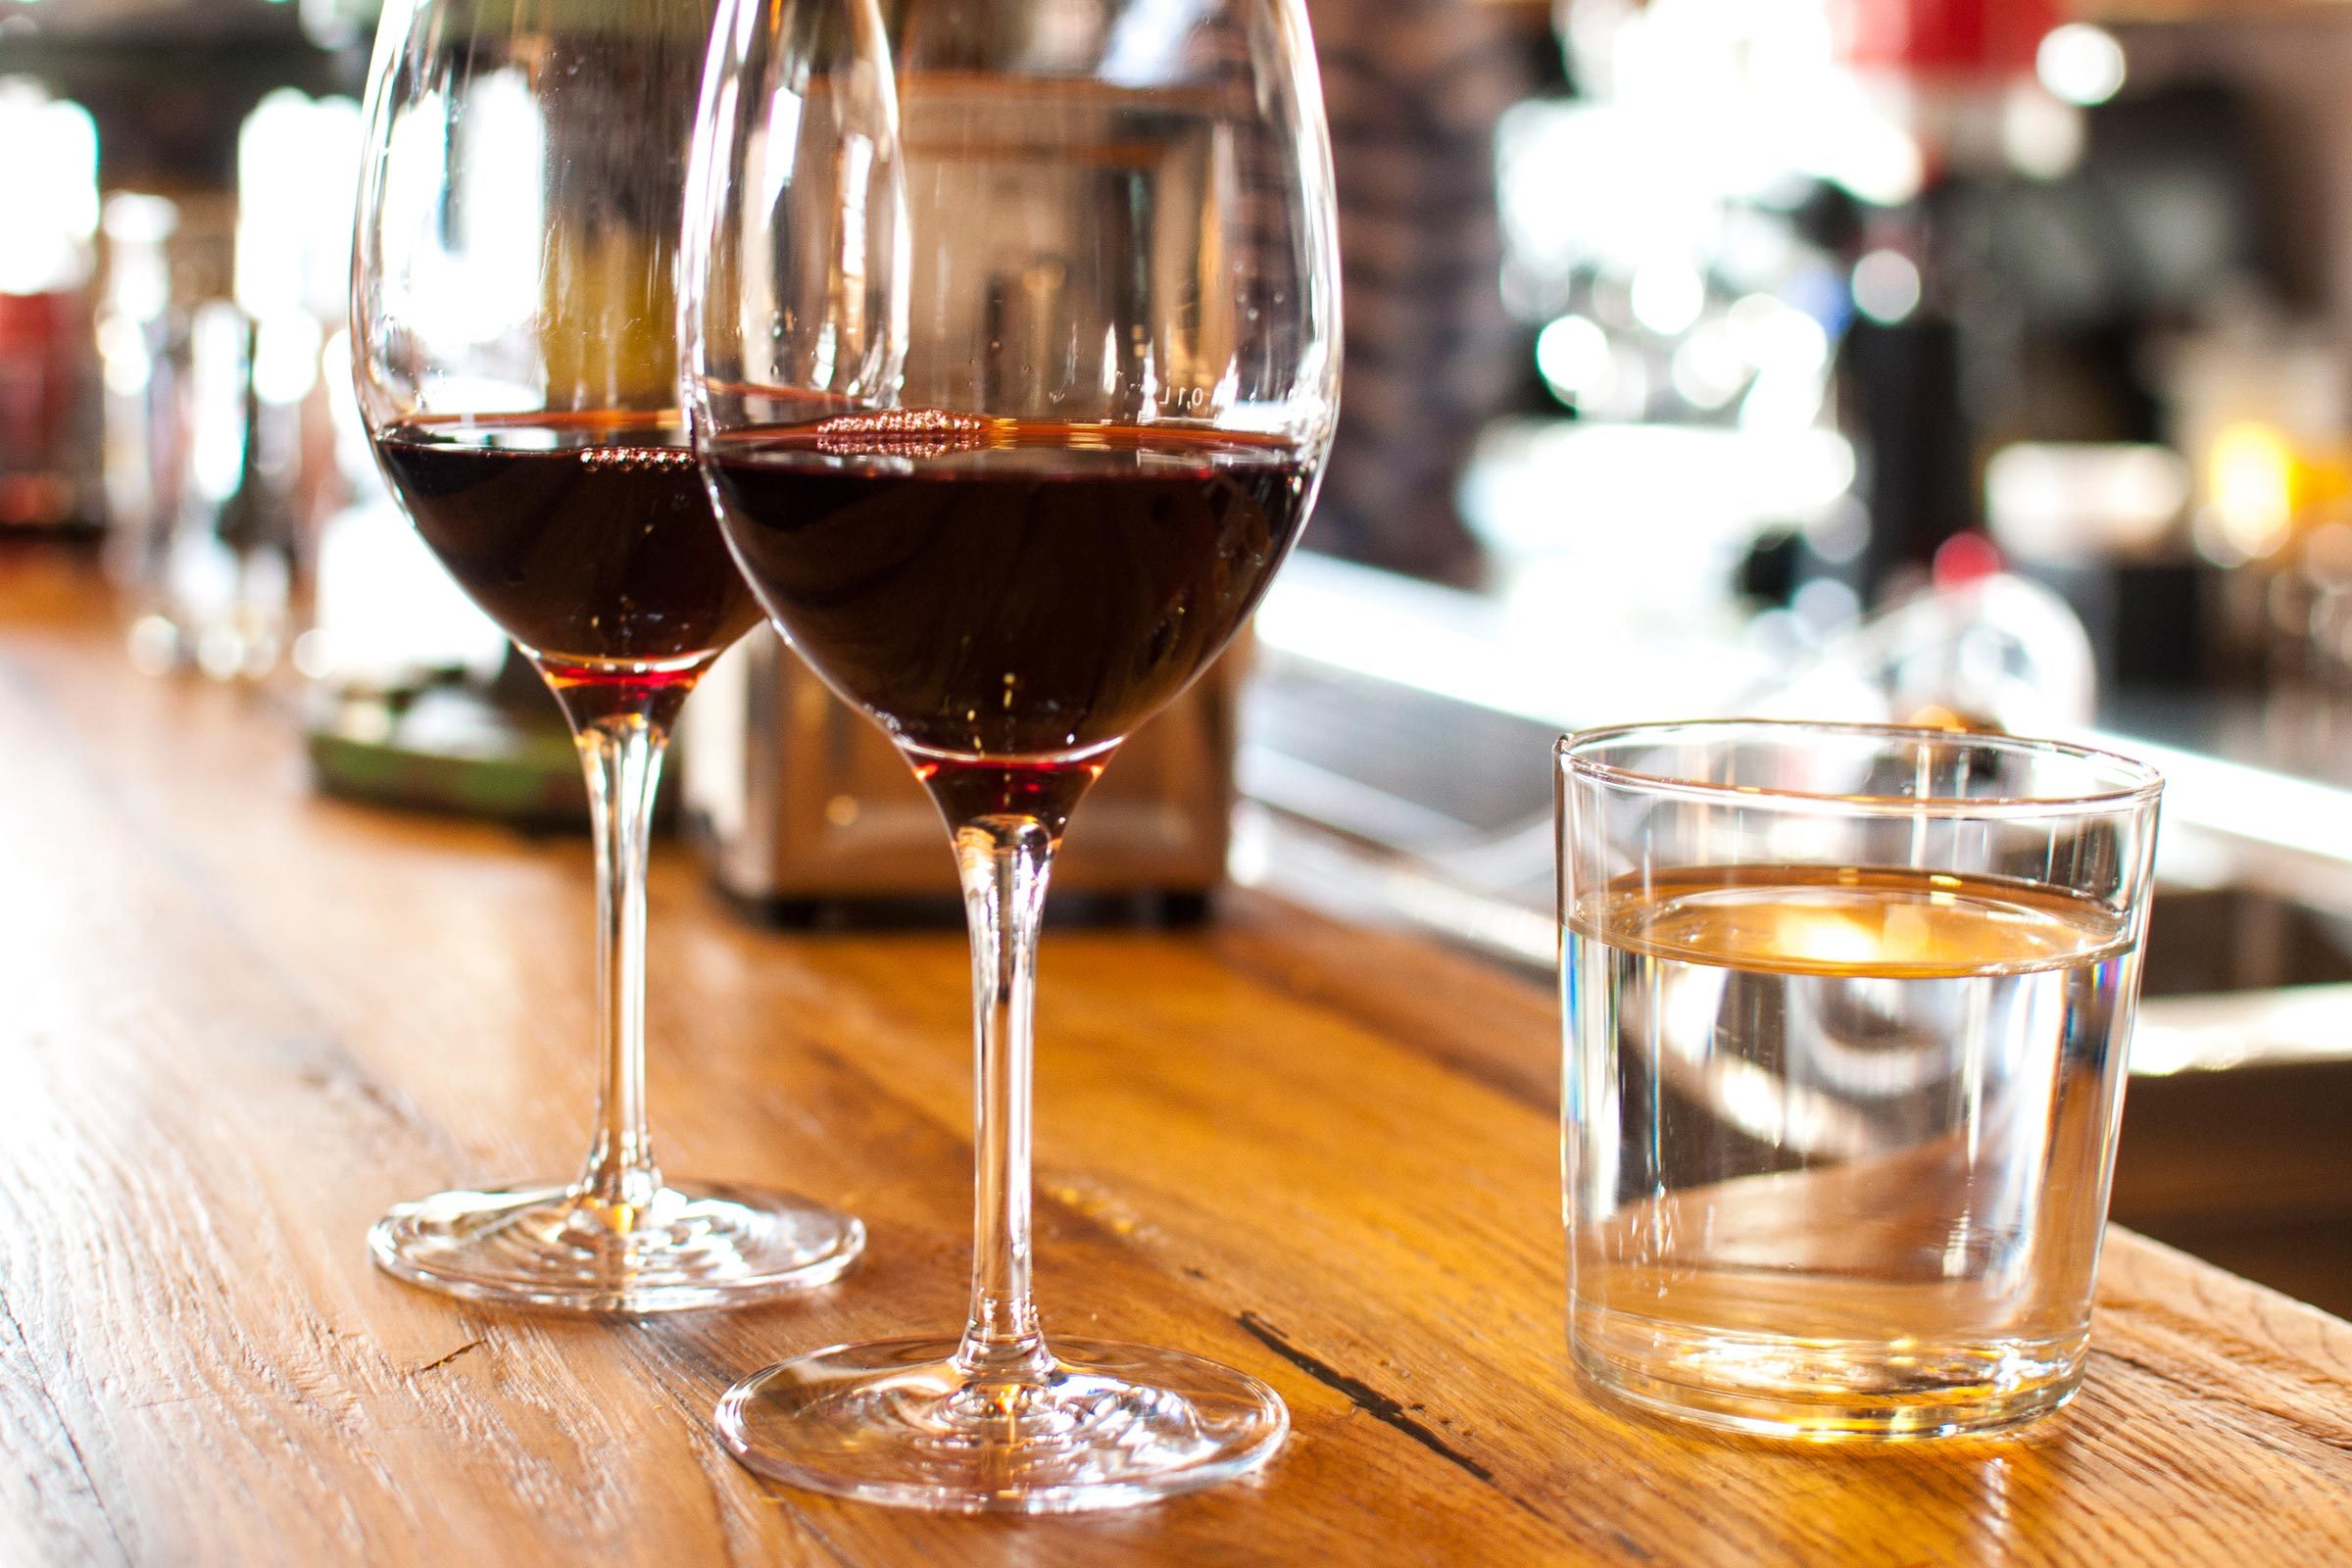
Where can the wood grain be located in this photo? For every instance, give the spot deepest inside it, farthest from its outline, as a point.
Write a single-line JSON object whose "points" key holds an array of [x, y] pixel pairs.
{"points": [[242, 1020]]}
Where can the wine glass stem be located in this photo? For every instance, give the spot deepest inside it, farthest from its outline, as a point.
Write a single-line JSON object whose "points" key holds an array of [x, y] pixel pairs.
{"points": [[1005, 861], [621, 754]]}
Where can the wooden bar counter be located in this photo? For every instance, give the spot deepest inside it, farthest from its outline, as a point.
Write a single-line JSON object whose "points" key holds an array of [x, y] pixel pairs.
{"points": [[241, 1020]]}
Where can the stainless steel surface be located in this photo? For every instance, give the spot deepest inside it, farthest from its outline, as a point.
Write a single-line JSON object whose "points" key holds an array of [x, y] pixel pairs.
{"points": [[798, 801], [1416, 721], [2293, 1026]]}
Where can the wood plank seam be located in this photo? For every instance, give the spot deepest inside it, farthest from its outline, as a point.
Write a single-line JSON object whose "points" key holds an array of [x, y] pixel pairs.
{"points": [[1365, 1398], [63, 1430]]}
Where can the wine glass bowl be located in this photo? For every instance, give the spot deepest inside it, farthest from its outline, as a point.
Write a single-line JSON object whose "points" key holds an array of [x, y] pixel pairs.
{"points": [[512, 320], [589, 541], [971, 595], [1011, 355]]}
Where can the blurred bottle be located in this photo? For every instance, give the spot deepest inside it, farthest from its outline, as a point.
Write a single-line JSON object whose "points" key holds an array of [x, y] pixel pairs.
{"points": [[226, 566], [1991, 651], [143, 350], [218, 598], [1930, 364], [49, 466], [296, 171]]}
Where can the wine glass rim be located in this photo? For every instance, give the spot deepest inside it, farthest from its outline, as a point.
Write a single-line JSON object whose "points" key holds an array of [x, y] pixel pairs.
{"points": [[2137, 783]]}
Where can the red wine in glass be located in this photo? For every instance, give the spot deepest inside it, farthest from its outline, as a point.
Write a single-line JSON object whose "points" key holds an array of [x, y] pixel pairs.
{"points": [[588, 539], [1009, 590]]}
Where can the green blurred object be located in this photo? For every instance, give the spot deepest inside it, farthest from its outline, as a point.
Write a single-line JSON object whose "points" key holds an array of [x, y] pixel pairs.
{"points": [[498, 752]]}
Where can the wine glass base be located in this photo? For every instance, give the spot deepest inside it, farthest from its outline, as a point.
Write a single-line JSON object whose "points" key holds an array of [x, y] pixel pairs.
{"points": [[896, 1422], [540, 1246]]}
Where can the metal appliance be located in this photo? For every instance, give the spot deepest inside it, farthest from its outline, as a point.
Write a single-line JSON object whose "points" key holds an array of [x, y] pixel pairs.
{"points": [[801, 807]]}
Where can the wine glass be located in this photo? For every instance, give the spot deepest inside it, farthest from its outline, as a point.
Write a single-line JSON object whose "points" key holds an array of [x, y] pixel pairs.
{"points": [[1012, 358], [512, 320]]}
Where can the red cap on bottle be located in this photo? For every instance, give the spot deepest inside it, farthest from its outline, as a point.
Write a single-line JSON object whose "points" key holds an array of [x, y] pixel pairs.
{"points": [[1945, 37]]}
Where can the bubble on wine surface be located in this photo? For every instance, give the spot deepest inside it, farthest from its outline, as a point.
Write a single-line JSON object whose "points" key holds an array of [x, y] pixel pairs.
{"points": [[636, 460], [902, 433]]}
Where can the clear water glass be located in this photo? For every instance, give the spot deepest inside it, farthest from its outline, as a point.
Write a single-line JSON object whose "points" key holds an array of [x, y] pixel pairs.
{"points": [[1846, 1010]]}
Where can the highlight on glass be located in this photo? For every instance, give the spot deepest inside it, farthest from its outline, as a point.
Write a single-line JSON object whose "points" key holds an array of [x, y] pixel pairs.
{"points": [[1847, 1014], [1012, 359], [512, 309]]}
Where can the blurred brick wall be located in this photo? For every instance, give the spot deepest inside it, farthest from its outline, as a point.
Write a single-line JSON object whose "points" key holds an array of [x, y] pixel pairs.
{"points": [[1413, 88]]}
